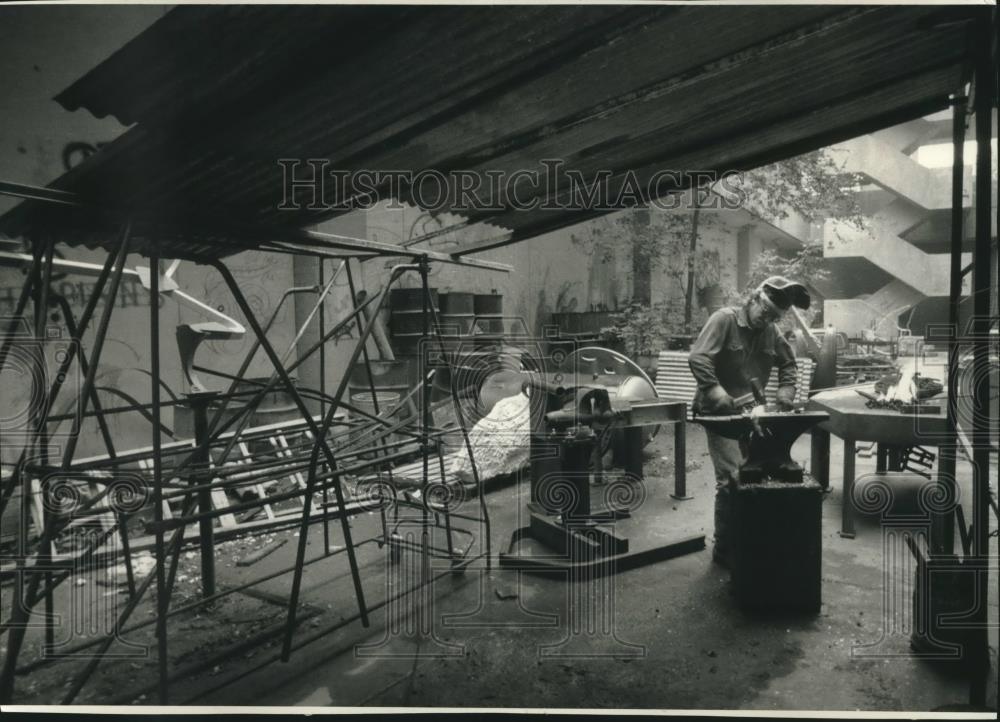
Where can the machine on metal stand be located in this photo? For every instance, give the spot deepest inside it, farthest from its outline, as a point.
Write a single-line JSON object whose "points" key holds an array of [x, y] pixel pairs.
{"points": [[577, 533], [776, 512]]}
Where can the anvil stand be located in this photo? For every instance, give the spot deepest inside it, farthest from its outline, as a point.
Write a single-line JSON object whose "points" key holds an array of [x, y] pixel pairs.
{"points": [[775, 517], [582, 538]]}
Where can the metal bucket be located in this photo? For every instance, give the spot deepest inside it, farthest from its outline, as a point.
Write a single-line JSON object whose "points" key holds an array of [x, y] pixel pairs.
{"points": [[388, 398]]}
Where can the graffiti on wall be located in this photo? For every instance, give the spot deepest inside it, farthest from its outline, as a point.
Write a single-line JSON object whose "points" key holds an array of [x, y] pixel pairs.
{"points": [[76, 292]]}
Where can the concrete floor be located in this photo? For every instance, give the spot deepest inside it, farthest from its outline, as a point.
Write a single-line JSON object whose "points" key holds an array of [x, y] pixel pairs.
{"points": [[665, 636]]}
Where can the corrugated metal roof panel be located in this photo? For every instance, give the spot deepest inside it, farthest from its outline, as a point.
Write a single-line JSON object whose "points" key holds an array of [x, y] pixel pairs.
{"points": [[225, 91]]}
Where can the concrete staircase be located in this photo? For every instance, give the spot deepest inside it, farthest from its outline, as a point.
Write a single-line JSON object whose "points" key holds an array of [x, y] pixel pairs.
{"points": [[880, 243], [892, 169], [877, 312], [883, 158]]}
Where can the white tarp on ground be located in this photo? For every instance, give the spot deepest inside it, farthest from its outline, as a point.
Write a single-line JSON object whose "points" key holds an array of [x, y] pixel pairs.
{"points": [[501, 441]]}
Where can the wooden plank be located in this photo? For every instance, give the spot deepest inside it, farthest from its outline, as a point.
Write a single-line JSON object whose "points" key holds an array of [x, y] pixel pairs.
{"points": [[36, 505], [219, 501], [258, 487], [281, 444]]}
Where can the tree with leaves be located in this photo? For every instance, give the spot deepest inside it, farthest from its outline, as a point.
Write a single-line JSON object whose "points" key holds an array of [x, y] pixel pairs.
{"points": [[813, 186]]}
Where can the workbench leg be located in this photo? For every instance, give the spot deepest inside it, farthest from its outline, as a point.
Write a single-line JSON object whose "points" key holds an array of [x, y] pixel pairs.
{"points": [[942, 539], [819, 462], [847, 514], [633, 451], [881, 458], [680, 461], [896, 457]]}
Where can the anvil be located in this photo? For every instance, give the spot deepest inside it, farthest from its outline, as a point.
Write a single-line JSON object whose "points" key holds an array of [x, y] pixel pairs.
{"points": [[768, 447]]}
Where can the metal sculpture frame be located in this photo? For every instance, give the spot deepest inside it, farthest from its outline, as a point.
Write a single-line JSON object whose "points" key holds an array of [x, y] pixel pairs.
{"points": [[36, 581]]}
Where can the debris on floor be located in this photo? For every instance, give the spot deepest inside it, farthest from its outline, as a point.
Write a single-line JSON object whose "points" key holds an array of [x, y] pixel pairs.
{"points": [[261, 553]]}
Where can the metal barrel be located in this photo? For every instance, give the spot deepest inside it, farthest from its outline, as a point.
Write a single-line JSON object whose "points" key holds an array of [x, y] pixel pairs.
{"points": [[410, 299], [458, 303], [455, 324], [488, 304]]}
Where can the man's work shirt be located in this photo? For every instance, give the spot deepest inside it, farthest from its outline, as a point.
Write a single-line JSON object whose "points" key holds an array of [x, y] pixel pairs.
{"points": [[729, 352]]}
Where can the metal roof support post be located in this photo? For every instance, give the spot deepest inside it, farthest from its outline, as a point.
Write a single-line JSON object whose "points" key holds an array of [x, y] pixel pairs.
{"points": [[981, 323], [943, 533]]}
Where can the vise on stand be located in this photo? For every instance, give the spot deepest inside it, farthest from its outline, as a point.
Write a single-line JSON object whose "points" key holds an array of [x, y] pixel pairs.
{"points": [[576, 533]]}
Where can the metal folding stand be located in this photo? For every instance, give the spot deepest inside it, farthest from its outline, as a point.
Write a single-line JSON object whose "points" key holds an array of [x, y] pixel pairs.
{"points": [[459, 559]]}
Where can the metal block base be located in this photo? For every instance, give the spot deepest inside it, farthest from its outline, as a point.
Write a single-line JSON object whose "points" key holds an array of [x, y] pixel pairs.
{"points": [[586, 550], [576, 540]]}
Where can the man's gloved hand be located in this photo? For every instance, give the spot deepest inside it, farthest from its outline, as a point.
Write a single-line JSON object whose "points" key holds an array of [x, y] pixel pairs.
{"points": [[719, 402], [785, 398]]}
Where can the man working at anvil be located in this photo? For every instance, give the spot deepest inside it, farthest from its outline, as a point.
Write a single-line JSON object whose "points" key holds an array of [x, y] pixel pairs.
{"points": [[736, 345]]}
